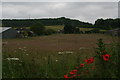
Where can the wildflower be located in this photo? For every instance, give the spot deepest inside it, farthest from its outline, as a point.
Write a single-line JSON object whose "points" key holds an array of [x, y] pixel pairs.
{"points": [[66, 76], [24, 47], [69, 52], [56, 60], [14, 59], [89, 61], [60, 53], [81, 65], [27, 54], [78, 74], [72, 72], [106, 57]]}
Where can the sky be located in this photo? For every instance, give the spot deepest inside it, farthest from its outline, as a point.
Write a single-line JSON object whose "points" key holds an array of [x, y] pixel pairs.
{"points": [[60, 0], [83, 11]]}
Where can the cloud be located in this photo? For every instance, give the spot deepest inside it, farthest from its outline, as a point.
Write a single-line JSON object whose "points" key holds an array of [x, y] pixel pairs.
{"points": [[59, 0], [119, 9], [0, 10], [83, 11]]}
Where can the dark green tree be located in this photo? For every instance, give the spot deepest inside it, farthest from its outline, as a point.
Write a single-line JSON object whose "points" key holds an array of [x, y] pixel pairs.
{"points": [[38, 28], [107, 23], [69, 28]]}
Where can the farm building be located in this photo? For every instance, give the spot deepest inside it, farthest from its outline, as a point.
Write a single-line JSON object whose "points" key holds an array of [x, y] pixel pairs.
{"points": [[114, 32], [8, 32]]}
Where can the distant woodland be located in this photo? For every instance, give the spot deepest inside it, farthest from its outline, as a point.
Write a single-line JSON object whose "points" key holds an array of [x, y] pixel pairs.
{"points": [[99, 23]]}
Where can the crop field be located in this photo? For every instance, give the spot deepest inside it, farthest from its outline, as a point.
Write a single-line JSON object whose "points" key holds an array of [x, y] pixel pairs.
{"points": [[52, 56], [60, 27], [86, 29], [55, 27]]}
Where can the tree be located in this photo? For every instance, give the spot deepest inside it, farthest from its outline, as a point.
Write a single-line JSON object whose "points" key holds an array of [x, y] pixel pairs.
{"points": [[107, 23], [69, 28], [77, 30], [38, 28]]}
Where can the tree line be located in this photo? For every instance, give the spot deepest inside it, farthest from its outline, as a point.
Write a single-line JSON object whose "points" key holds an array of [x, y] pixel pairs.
{"points": [[99, 23], [70, 25], [107, 24], [46, 22]]}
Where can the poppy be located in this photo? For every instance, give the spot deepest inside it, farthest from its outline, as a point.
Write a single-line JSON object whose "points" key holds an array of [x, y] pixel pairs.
{"points": [[106, 57], [66, 76], [81, 65], [89, 61], [72, 72]]}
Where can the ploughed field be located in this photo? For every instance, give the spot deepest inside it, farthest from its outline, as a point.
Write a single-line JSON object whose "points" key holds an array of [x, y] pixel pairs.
{"points": [[48, 56]]}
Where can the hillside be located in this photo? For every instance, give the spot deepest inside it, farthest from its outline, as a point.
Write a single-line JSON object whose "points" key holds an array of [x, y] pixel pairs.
{"points": [[45, 21]]}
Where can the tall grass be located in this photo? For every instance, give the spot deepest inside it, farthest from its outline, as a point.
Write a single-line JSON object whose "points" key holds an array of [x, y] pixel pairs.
{"points": [[51, 64], [40, 65]]}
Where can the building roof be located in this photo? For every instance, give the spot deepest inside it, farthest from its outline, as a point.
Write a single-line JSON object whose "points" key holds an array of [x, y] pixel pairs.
{"points": [[2, 29]]}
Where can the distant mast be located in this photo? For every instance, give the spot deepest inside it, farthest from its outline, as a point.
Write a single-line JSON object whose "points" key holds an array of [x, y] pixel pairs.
{"points": [[29, 16]]}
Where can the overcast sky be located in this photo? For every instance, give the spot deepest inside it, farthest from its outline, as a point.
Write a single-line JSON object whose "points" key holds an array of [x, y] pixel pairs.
{"points": [[83, 11]]}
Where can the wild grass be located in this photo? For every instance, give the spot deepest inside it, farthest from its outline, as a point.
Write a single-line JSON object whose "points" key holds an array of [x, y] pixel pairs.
{"points": [[52, 56]]}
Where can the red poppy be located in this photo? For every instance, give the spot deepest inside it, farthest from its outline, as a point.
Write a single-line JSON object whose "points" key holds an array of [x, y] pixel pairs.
{"points": [[72, 72], [66, 76], [106, 57], [89, 61], [81, 65], [78, 74]]}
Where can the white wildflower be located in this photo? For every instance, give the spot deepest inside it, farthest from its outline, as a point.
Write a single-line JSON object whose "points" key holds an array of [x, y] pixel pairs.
{"points": [[69, 52], [45, 58], [60, 53], [27, 54], [14, 59], [24, 47], [20, 48], [56, 60]]}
